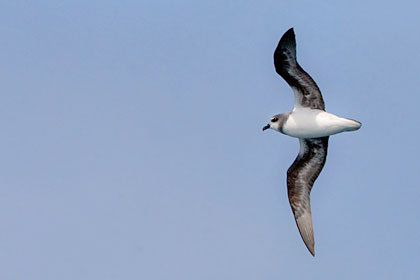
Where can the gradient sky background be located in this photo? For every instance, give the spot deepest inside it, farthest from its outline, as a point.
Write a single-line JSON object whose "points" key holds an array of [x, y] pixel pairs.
{"points": [[131, 142]]}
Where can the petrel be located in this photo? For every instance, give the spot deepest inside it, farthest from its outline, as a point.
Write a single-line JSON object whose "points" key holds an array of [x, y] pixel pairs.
{"points": [[312, 125]]}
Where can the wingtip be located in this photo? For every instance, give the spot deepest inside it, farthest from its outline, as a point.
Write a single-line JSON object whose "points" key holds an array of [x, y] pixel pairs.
{"points": [[312, 252], [285, 52], [288, 36], [291, 30], [304, 224]]}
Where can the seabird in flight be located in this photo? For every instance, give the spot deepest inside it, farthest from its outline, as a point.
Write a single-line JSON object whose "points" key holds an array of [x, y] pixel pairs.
{"points": [[309, 122]]}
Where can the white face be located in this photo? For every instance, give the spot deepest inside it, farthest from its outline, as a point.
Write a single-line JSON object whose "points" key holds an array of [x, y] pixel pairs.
{"points": [[275, 123]]}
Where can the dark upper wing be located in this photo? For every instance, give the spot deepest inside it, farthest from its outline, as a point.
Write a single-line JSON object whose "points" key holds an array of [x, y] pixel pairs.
{"points": [[300, 178], [307, 93]]}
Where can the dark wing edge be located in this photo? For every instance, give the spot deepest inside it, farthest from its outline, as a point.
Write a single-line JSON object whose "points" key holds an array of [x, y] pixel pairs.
{"points": [[289, 69], [301, 176]]}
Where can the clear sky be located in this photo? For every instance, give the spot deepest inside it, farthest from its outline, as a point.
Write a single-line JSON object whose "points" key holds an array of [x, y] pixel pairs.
{"points": [[131, 142]]}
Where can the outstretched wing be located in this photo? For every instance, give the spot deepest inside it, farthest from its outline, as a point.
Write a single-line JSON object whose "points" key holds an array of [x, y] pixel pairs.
{"points": [[301, 175], [307, 93]]}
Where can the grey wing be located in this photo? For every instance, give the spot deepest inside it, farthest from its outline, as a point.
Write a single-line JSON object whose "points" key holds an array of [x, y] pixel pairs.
{"points": [[301, 175], [307, 93]]}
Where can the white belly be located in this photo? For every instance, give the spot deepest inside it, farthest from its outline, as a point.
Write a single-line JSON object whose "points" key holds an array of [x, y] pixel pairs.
{"points": [[310, 123]]}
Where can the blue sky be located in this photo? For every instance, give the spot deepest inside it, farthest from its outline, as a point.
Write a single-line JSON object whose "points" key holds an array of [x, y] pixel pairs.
{"points": [[132, 144]]}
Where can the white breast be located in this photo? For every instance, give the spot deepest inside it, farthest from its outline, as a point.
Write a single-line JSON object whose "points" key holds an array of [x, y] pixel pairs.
{"points": [[313, 123]]}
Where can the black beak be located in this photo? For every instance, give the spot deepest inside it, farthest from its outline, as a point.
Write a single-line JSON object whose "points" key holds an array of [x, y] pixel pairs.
{"points": [[266, 127]]}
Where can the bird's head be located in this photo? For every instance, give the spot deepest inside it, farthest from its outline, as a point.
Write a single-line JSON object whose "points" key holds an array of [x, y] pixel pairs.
{"points": [[276, 122]]}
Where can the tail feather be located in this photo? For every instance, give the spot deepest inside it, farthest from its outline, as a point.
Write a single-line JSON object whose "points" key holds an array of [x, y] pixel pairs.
{"points": [[353, 125]]}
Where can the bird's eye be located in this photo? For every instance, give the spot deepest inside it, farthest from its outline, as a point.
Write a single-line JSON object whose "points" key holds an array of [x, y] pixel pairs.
{"points": [[274, 119]]}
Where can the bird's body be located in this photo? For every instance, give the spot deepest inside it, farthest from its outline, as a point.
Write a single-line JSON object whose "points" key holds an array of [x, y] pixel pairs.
{"points": [[309, 122], [314, 123]]}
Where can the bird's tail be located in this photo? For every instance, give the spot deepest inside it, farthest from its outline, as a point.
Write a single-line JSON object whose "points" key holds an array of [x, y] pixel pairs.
{"points": [[353, 125]]}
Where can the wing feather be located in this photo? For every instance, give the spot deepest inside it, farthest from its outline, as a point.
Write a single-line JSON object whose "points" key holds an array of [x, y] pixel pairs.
{"points": [[301, 176], [307, 93]]}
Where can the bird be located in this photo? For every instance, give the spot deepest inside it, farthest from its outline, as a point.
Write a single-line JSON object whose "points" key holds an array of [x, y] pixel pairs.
{"points": [[312, 125]]}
